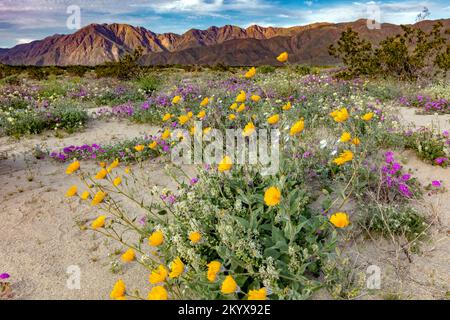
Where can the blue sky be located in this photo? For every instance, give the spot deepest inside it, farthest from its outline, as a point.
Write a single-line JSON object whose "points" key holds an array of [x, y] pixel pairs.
{"points": [[26, 20]]}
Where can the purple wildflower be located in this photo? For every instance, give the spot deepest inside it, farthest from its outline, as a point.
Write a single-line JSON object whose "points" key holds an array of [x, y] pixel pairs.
{"points": [[436, 183], [4, 276], [404, 189]]}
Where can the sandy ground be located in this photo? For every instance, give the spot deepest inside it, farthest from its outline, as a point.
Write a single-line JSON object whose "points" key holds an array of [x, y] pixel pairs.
{"points": [[40, 236], [425, 275]]}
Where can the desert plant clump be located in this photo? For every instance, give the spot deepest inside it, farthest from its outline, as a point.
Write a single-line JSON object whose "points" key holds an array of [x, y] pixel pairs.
{"points": [[409, 55]]}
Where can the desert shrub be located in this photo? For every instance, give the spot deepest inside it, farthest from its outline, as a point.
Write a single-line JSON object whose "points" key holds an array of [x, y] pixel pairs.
{"points": [[383, 91], [13, 80], [69, 116], [78, 71], [266, 69], [149, 83], [52, 89], [30, 119], [14, 103], [438, 90], [397, 220], [22, 122], [408, 55], [150, 115], [220, 67], [304, 70], [37, 73], [54, 70], [356, 54], [428, 144], [126, 68], [119, 95]]}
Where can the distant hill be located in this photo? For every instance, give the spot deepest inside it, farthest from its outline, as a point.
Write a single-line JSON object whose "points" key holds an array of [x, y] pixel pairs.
{"points": [[229, 45]]}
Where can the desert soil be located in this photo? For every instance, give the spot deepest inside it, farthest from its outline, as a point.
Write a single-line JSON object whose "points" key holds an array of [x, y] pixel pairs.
{"points": [[40, 234]]}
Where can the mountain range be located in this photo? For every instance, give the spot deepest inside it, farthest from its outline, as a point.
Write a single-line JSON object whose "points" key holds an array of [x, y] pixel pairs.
{"points": [[228, 45]]}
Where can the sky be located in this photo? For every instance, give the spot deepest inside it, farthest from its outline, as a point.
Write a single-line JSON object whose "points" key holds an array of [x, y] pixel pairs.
{"points": [[22, 21]]}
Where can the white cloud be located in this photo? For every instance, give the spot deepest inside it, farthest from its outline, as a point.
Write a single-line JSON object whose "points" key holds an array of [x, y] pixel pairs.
{"points": [[205, 7], [23, 40]]}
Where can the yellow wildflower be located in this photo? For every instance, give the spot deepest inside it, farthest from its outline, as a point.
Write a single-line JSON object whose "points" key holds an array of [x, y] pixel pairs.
{"points": [[356, 141], [195, 236], [128, 255], [204, 102], [156, 238], [165, 134], [114, 164], [340, 115], [176, 268], [74, 166], [287, 106], [272, 196], [241, 108], [99, 222], [201, 114], [167, 117], [250, 73], [176, 99], [127, 170], [206, 130], [283, 57], [190, 114], [213, 269], [229, 285], [241, 97], [158, 275], [153, 145], [368, 116], [233, 106], [340, 219], [344, 157], [85, 195], [101, 174], [248, 129], [225, 164], [232, 116], [183, 119], [260, 294], [297, 127], [118, 291], [345, 137], [72, 191], [117, 181], [98, 198], [255, 98], [139, 147], [158, 293], [103, 164], [273, 119]]}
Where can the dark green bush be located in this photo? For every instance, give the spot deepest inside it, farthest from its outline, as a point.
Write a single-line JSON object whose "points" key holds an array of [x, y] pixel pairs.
{"points": [[266, 69], [70, 117], [149, 83]]}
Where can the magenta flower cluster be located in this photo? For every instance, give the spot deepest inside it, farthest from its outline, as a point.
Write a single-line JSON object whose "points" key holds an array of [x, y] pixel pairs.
{"points": [[393, 177], [427, 104]]}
